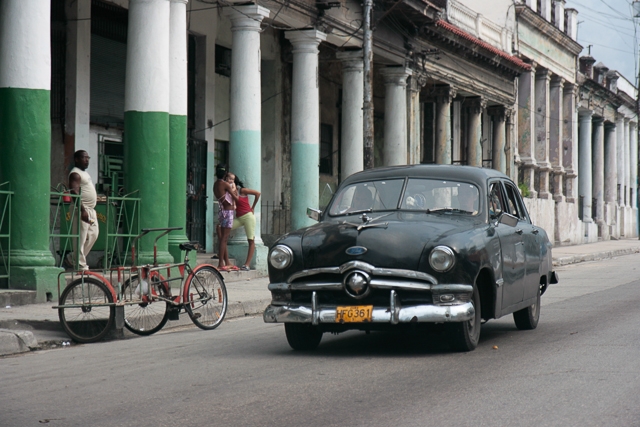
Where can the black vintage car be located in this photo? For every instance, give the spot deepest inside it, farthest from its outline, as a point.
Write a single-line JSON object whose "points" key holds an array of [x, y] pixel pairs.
{"points": [[412, 245]]}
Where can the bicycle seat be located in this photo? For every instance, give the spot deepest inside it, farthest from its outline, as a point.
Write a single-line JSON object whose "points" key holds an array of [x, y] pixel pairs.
{"points": [[189, 246]]}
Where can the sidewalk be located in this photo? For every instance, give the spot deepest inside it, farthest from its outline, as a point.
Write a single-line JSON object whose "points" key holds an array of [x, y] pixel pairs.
{"points": [[34, 326]]}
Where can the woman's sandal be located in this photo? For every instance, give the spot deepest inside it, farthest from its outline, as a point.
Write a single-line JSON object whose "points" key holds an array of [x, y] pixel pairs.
{"points": [[244, 268], [225, 268], [232, 268]]}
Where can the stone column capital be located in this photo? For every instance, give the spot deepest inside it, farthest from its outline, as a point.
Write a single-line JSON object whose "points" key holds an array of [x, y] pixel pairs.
{"points": [[246, 18], [585, 114], [395, 76], [477, 104], [557, 81], [570, 87], [543, 74], [499, 112], [305, 41], [445, 94], [417, 81], [351, 60]]}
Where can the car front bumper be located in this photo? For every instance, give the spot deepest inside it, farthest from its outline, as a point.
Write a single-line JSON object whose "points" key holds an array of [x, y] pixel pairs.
{"points": [[419, 313]]}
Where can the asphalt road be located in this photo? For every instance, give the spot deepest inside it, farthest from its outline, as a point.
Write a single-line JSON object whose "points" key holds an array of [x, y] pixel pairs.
{"points": [[580, 367]]}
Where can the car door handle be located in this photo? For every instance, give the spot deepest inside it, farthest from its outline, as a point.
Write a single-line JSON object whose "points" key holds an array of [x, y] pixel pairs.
{"points": [[519, 230], [535, 231]]}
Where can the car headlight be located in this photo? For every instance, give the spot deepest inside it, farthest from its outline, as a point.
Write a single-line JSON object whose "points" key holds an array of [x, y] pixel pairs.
{"points": [[281, 257], [442, 258]]}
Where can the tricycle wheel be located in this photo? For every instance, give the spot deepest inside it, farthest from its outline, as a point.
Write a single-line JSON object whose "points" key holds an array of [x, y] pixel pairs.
{"points": [[94, 315], [302, 336], [147, 317], [464, 336]]}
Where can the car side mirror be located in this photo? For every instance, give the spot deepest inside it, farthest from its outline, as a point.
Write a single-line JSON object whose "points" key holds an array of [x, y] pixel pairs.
{"points": [[508, 219], [314, 214]]}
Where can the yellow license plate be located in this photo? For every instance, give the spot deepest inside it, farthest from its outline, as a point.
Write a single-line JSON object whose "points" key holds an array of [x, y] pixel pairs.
{"points": [[356, 313]]}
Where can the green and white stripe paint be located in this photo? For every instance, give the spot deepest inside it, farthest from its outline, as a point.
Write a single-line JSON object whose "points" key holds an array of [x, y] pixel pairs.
{"points": [[178, 127], [305, 119], [25, 125], [245, 136], [146, 118]]}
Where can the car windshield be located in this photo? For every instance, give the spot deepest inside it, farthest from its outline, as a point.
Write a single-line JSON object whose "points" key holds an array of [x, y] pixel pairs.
{"points": [[430, 195], [368, 196], [434, 195]]}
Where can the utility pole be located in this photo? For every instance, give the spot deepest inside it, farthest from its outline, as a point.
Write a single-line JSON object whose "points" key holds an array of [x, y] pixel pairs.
{"points": [[368, 85]]}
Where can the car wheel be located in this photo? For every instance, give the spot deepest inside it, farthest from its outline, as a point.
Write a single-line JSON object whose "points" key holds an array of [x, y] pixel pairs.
{"points": [[527, 318], [302, 336], [464, 336]]}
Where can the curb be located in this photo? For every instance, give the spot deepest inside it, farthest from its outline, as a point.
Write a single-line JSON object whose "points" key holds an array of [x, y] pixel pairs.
{"points": [[574, 259], [12, 342]]}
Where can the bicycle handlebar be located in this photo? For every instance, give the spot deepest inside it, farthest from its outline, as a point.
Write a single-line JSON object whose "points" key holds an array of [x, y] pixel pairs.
{"points": [[155, 243]]}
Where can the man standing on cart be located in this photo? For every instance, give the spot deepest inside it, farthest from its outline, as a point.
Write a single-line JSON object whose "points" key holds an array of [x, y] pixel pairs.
{"points": [[80, 183]]}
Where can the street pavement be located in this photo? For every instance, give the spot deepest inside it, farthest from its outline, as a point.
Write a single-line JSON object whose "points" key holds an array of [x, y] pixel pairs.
{"points": [[30, 327]]}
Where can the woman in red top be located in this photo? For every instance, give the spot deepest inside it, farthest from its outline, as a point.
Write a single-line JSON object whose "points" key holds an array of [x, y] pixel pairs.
{"points": [[245, 215]]}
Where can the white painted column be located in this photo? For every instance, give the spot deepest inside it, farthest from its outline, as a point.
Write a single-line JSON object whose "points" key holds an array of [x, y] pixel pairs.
{"points": [[498, 158], [245, 122], [305, 125], [444, 97], [627, 163], [598, 169], [526, 126], [610, 164], [633, 137], [570, 142], [78, 81], [542, 122], [584, 163], [352, 152], [474, 131], [620, 159], [414, 119], [395, 115], [556, 129]]}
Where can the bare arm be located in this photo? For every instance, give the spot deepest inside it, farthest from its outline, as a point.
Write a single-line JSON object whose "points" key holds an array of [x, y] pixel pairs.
{"points": [[74, 187], [256, 194], [231, 189]]}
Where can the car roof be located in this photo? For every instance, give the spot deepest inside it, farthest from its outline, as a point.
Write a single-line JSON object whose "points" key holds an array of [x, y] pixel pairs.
{"points": [[452, 172]]}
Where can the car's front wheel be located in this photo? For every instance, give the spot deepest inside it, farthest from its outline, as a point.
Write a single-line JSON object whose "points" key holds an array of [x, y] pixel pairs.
{"points": [[464, 336], [302, 336], [527, 318]]}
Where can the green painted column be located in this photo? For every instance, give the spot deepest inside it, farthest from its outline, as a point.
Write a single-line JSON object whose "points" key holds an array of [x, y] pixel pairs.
{"points": [[146, 119], [25, 140], [245, 138], [178, 128], [305, 125]]}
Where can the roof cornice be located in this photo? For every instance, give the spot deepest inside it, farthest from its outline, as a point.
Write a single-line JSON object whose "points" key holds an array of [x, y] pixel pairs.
{"points": [[525, 13]]}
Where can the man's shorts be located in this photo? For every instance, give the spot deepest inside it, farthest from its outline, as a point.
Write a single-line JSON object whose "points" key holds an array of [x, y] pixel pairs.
{"points": [[225, 218], [248, 221]]}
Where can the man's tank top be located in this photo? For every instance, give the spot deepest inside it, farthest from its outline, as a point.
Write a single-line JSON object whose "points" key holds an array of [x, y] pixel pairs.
{"points": [[88, 193]]}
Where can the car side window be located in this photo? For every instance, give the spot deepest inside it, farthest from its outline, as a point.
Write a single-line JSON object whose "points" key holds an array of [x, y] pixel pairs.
{"points": [[495, 201], [516, 206]]}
